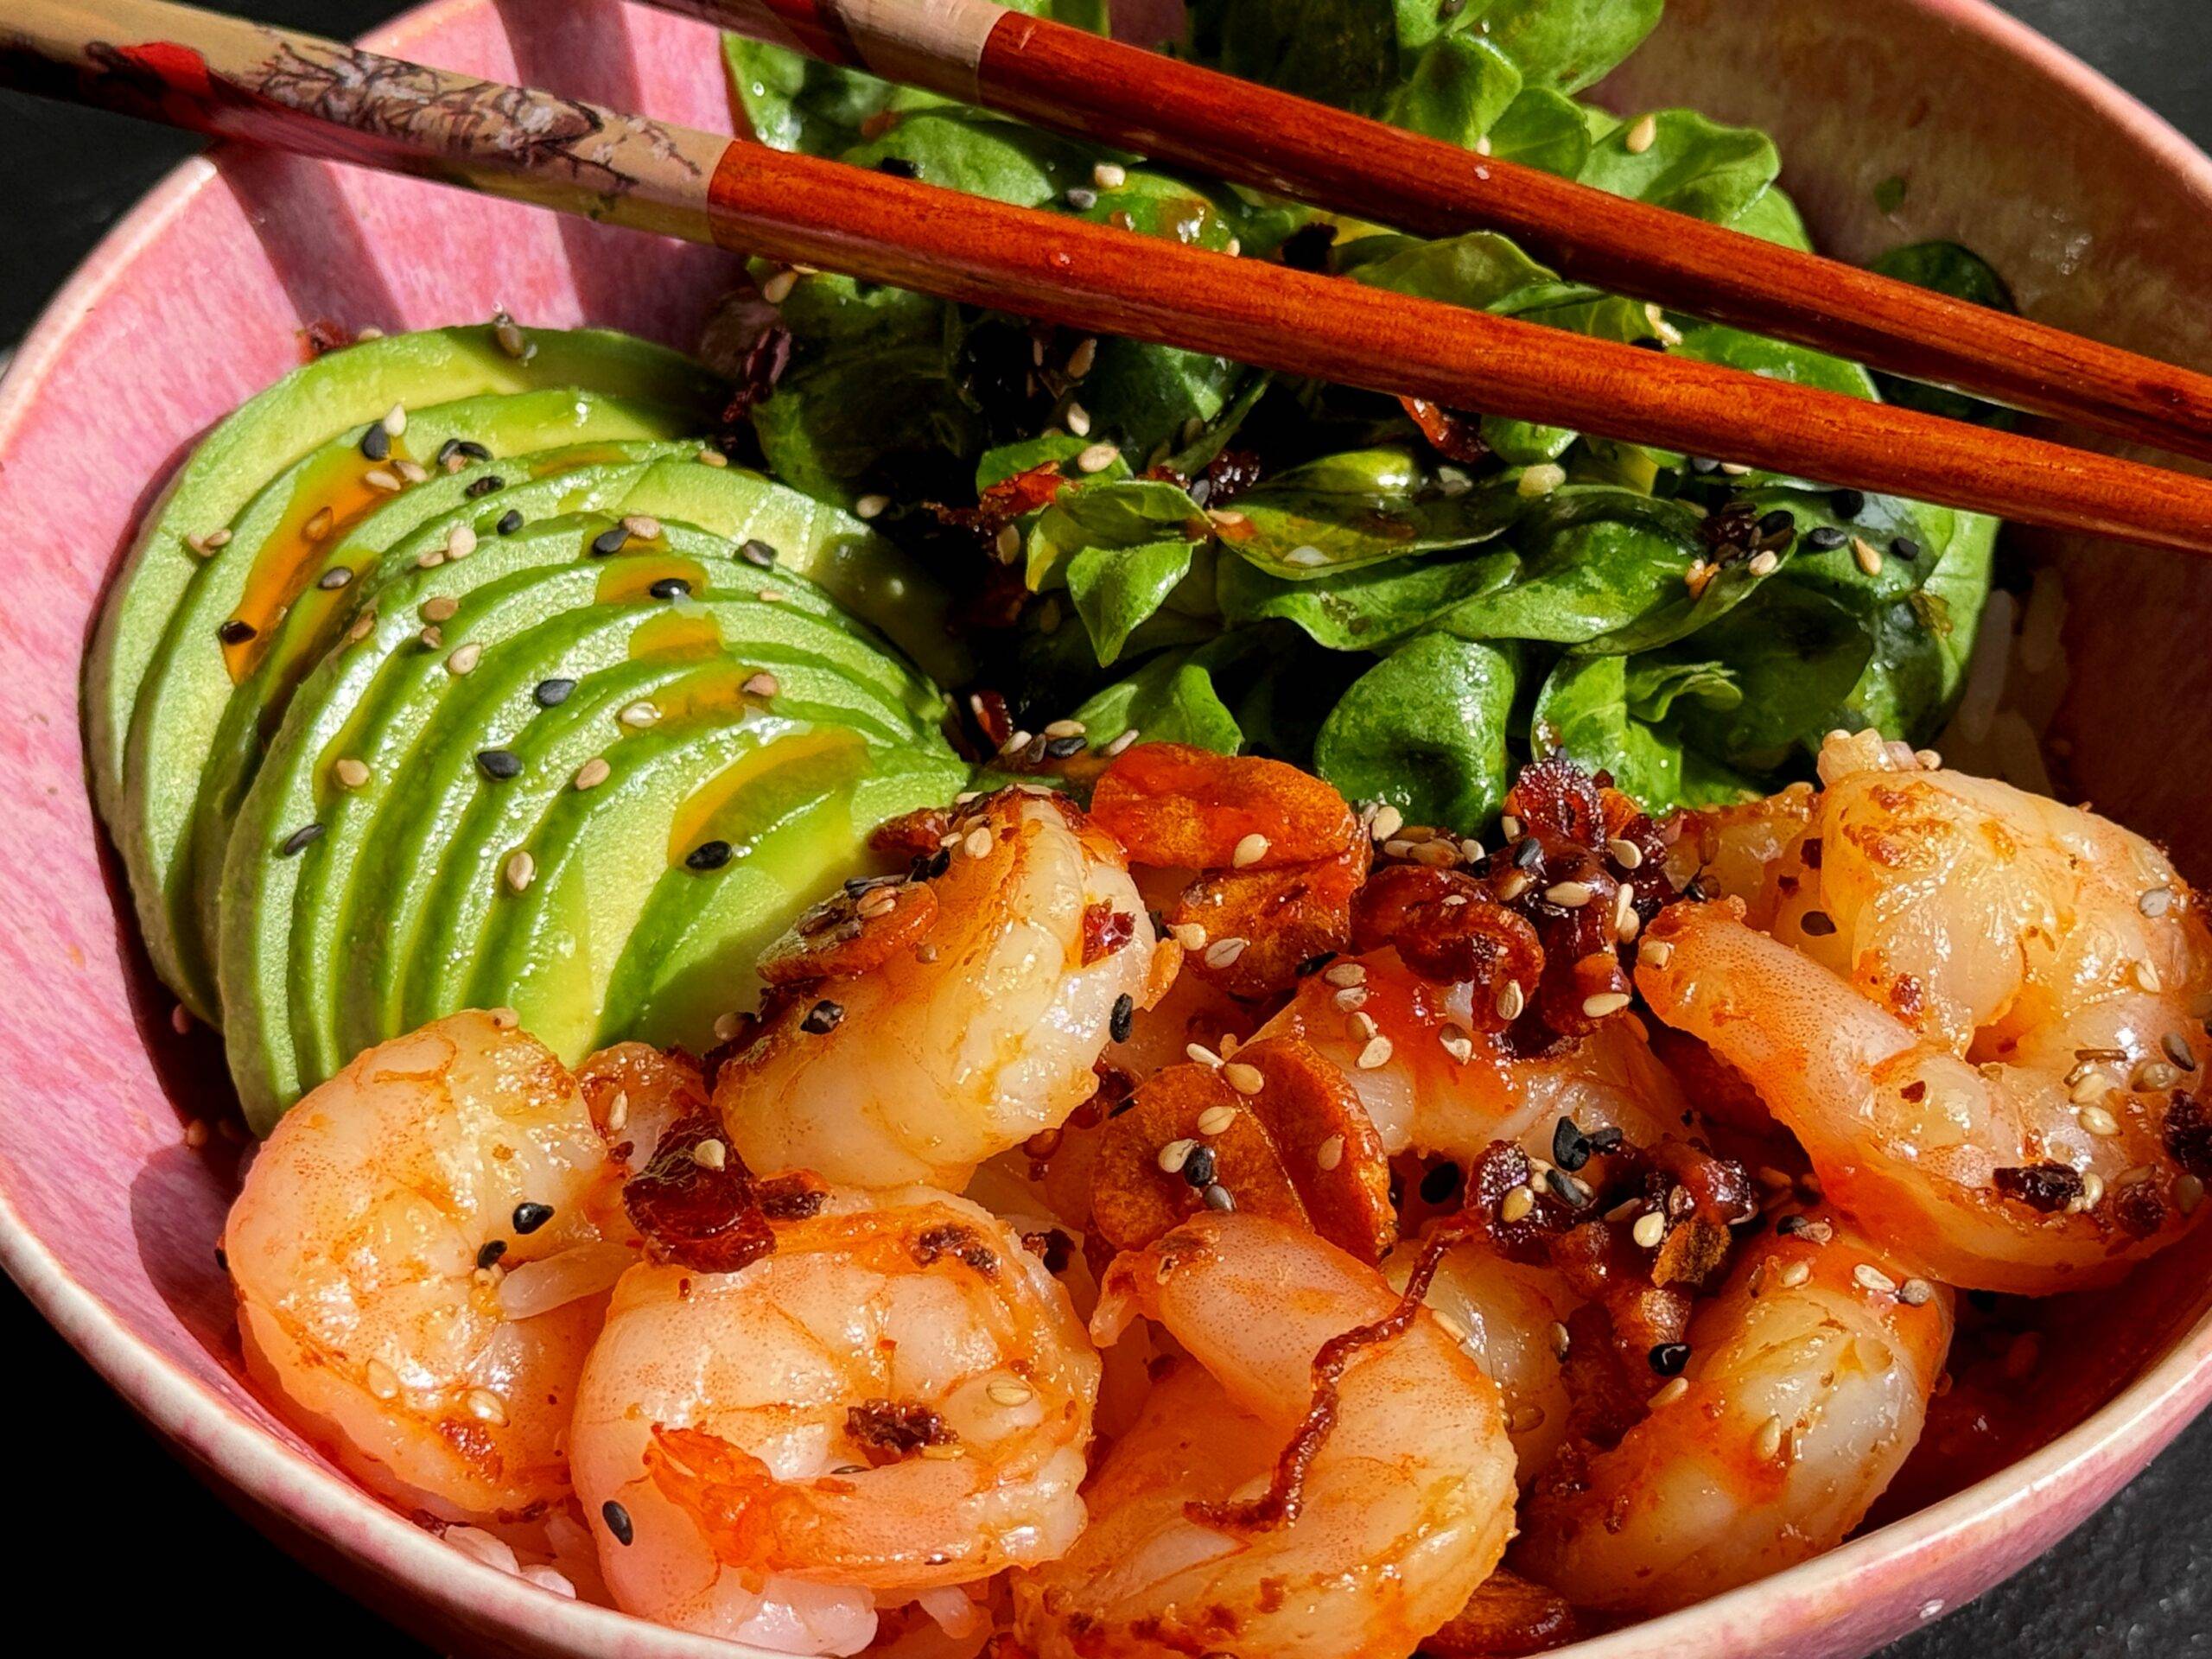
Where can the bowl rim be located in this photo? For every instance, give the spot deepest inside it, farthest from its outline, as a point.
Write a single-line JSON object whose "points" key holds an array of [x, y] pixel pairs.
{"points": [[321, 1501]]}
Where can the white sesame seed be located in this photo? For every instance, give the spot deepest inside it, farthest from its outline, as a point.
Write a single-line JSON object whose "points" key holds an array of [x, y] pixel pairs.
{"points": [[432, 636], [709, 457], [1245, 1080], [384, 1381], [1223, 953], [1174, 1155], [1605, 1002], [978, 842], [1542, 479], [521, 870], [460, 542], [871, 507], [1077, 420], [378, 479], [710, 1154], [1376, 1055], [2091, 1085], [503, 1018], [763, 684], [1081, 359], [1795, 1273], [1457, 1043], [1643, 134], [1215, 1119], [1871, 1277], [351, 773], [395, 421], [1651, 1230], [1189, 935], [1517, 1203], [1768, 1444], [1569, 895], [2099, 1122], [643, 525], [1915, 1292], [1199, 1054], [727, 1025], [1387, 823], [1626, 853], [1250, 850], [1097, 457], [1764, 564], [1670, 1392], [1330, 1152], [2189, 1193], [1657, 952], [639, 714], [1351, 997], [1511, 999], [1109, 175], [1005, 1391], [487, 1407], [592, 773], [464, 657], [1625, 920], [412, 471], [2156, 902], [1342, 974], [777, 287], [439, 608]]}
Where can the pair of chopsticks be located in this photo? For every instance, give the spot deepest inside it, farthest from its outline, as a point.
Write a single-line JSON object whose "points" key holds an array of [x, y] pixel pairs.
{"points": [[240, 79]]}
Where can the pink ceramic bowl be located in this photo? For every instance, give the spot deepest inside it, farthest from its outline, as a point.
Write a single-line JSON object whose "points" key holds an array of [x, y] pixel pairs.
{"points": [[2101, 217]]}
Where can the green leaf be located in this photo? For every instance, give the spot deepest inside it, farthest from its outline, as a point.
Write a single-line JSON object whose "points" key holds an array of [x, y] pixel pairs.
{"points": [[1130, 512], [1543, 128], [1115, 588], [1795, 656], [1773, 216], [1169, 699], [1460, 86], [1692, 165], [1565, 45], [1367, 608], [1340, 512], [1922, 643], [1054, 448], [1616, 715], [1947, 268], [1339, 52], [1482, 271], [1426, 730]]}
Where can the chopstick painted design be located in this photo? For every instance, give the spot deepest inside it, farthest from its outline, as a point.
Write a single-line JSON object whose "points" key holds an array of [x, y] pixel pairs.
{"points": [[236, 78]]}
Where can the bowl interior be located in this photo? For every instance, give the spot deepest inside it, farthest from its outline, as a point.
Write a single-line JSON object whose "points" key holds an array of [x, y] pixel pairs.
{"points": [[2101, 219]]}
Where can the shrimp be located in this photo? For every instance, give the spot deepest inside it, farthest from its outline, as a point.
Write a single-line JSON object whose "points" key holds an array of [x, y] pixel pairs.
{"points": [[1402, 1510], [952, 1017], [1511, 1319], [897, 1399], [1435, 1082], [1981, 1015], [421, 1254], [1807, 1385]]}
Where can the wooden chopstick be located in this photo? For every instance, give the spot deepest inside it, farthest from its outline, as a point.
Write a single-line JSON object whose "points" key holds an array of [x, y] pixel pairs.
{"points": [[1068, 81], [236, 78]]}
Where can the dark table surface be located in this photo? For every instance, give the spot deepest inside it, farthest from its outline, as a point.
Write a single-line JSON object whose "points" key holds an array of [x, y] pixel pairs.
{"points": [[2130, 1582]]}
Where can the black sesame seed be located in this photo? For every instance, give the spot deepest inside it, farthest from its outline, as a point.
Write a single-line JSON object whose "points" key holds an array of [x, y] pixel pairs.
{"points": [[617, 1522], [1061, 747], [1570, 1146], [1848, 504], [222, 1258], [376, 442], [1825, 539], [1218, 1198], [709, 855], [609, 540], [529, 1217], [1083, 199], [1780, 522], [499, 764], [1529, 854], [469, 450], [485, 485], [236, 632], [552, 694], [1818, 924], [1702, 465], [823, 1017], [334, 578], [510, 521], [1566, 1189], [1791, 1226], [1905, 548], [300, 839], [1606, 1140], [757, 552], [447, 450], [1442, 1183], [1668, 1358], [1198, 1167], [671, 587], [899, 168], [491, 1252], [1123, 1017]]}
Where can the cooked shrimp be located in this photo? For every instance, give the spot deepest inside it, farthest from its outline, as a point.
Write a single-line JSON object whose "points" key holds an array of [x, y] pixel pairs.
{"points": [[421, 1252], [1435, 1083], [982, 998], [1402, 1511], [1511, 1319], [1807, 1385], [1981, 1015], [897, 1399]]}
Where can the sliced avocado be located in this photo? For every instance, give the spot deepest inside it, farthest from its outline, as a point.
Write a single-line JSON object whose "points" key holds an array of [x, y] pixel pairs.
{"points": [[295, 590], [383, 874], [796, 828], [602, 854], [416, 525], [314, 403]]}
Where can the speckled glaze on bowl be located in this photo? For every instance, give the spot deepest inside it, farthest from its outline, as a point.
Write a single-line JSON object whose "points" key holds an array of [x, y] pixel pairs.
{"points": [[2100, 215]]}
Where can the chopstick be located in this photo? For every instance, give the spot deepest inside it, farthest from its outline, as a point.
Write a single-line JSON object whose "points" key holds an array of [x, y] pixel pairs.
{"points": [[235, 79], [1068, 81]]}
